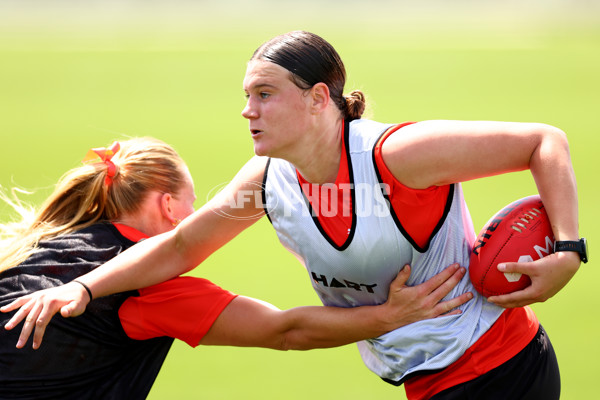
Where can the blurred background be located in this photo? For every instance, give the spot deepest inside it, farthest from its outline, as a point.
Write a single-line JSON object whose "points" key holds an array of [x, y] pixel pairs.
{"points": [[80, 74]]}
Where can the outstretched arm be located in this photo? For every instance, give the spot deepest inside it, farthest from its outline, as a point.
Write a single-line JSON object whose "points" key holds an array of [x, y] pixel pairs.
{"points": [[250, 322], [441, 152], [170, 254], [156, 259]]}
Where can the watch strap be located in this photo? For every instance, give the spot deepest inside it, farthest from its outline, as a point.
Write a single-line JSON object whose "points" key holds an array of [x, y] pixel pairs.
{"points": [[572, 245]]}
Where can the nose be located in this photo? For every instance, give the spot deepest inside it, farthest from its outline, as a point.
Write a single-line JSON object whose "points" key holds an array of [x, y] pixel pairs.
{"points": [[249, 112]]}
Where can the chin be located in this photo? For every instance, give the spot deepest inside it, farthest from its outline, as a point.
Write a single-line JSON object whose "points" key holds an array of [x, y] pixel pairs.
{"points": [[261, 151]]}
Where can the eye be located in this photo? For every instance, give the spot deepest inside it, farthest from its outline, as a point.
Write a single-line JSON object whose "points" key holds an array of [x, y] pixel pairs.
{"points": [[264, 95]]}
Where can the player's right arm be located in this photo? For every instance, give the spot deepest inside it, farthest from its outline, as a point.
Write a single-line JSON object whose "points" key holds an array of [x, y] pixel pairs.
{"points": [[430, 153]]}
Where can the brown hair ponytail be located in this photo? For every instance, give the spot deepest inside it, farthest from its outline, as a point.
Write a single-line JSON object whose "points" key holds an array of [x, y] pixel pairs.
{"points": [[355, 105]]}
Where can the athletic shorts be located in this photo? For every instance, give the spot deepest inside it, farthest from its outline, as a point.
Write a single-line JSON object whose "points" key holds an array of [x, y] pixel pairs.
{"points": [[532, 374]]}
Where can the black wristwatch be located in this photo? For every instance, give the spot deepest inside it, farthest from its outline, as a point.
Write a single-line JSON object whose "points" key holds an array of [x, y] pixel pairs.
{"points": [[579, 246]]}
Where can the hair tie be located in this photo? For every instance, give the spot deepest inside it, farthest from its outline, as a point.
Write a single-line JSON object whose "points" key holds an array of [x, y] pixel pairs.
{"points": [[105, 154]]}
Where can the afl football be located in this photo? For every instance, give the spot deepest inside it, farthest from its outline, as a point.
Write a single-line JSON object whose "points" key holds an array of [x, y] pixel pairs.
{"points": [[520, 232]]}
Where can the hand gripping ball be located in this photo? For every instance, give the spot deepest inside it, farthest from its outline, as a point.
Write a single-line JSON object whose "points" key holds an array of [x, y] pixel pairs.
{"points": [[520, 232]]}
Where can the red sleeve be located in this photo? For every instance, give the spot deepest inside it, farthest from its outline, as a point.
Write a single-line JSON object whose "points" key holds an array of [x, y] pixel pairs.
{"points": [[418, 212], [183, 308]]}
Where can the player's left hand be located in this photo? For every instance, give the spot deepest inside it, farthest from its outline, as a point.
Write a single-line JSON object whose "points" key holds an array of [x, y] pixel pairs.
{"points": [[548, 276]]}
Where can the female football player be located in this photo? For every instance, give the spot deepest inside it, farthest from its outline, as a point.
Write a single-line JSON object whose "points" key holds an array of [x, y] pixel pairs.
{"points": [[136, 189], [356, 200]]}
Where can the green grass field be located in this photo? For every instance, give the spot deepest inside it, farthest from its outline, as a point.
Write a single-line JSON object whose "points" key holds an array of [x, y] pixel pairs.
{"points": [[69, 82]]}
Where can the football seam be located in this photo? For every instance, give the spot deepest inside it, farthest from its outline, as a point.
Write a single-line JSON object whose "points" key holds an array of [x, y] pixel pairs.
{"points": [[524, 219], [483, 288], [531, 214]]}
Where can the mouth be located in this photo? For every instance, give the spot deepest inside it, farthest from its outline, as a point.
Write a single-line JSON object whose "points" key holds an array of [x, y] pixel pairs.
{"points": [[255, 132]]}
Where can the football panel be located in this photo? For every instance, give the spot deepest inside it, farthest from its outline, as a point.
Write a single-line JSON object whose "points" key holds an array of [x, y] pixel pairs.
{"points": [[519, 232]]}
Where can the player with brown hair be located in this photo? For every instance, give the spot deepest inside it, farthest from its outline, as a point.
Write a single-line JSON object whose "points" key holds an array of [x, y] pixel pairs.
{"points": [[357, 200]]}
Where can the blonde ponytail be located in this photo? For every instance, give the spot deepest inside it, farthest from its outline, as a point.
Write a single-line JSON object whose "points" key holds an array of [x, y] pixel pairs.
{"points": [[84, 196]]}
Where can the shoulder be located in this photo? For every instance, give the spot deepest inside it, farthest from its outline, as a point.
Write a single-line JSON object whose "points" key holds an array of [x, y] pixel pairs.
{"points": [[99, 235], [63, 258], [363, 134], [367, 127], [98, 242]]}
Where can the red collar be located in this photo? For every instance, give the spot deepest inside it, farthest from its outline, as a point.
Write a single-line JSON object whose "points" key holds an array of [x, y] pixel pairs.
{"points": [[130, 233]]}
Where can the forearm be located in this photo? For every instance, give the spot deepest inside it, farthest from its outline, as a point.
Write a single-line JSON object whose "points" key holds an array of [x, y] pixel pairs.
{"points": [[316, 327], [249, 322], [555, 179], [550, 165], [322, 327], [149, 262], [173, 253]]}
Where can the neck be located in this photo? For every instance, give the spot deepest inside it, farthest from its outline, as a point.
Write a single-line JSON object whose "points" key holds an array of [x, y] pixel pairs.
{"points": [[136, 223], [148, 219], [324, 151]]}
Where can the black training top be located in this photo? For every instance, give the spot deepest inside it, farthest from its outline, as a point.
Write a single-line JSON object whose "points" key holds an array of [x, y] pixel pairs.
{"points": [[87, 357]]}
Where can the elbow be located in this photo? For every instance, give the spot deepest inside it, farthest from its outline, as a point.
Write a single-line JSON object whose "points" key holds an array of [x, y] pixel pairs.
{"points": [[291, 340], [555, 136], [552, 146], [296, 330], [298, 338], [286, 344]]}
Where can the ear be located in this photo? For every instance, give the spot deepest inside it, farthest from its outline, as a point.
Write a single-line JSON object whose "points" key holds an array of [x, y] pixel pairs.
{"points": [[319, 95], [166, 209]]}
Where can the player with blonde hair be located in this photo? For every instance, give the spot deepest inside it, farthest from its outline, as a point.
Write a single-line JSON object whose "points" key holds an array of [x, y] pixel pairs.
{"points": [[122, 195], [356, 201]]}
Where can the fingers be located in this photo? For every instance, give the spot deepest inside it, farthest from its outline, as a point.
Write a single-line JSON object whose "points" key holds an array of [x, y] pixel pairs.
{"points": [[15, 304], [515, 299], [401, 278], [445, 288], [545, 282], [37, 310], [438, 280], [450, 307], [407, 304], [67, 311], [29, 325], [441, 285], [25, 303], [72, 309], [38, 315], [41, 323], [29, 312], [36, 318], [512, 267]]}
